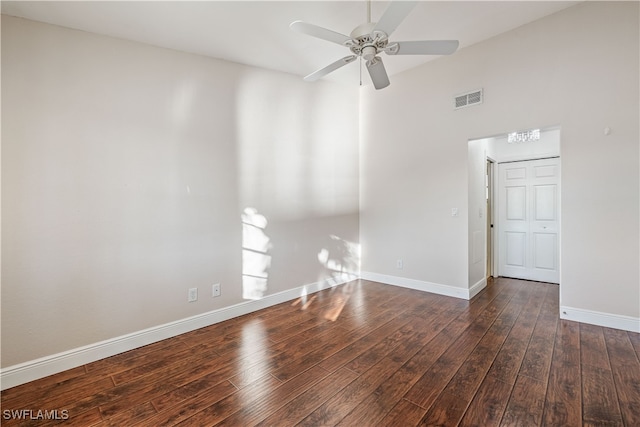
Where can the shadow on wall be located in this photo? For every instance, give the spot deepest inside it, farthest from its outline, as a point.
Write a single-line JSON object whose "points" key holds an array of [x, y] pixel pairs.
{"points": [[297, 156], [340, 260], [265, 252], [338, 257]]}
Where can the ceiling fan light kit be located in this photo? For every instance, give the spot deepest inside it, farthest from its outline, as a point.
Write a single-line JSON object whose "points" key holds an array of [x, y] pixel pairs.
{"points": [[372, 38]]}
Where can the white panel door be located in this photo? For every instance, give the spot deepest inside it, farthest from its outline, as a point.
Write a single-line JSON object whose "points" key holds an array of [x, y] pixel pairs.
{"points": [[528, 220]]}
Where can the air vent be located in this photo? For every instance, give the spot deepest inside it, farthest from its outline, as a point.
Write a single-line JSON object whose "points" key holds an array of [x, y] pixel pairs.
{"points": [[468, 99]]}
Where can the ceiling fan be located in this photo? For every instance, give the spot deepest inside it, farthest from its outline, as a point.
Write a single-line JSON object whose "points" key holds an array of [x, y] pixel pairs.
{"points": [[371, 38]]}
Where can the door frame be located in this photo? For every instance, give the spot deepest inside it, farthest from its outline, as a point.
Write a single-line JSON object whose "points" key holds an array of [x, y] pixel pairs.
{"points": [[492, 254], [491, 241]]}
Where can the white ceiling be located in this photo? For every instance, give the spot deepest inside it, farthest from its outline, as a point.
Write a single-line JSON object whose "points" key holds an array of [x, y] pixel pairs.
{"points": [[257, 32]]}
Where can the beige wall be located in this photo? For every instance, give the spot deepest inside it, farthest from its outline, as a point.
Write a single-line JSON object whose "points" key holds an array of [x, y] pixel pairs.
{"points": [[577, 69], [477, 211], [125, 171]]}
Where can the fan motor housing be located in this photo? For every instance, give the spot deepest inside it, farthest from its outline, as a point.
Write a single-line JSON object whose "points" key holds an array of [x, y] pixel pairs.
{"points": [[363, 30], [369, 42]]}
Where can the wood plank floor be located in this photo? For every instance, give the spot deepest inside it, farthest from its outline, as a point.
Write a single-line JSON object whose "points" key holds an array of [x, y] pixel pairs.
{"points": [[363, 354]]}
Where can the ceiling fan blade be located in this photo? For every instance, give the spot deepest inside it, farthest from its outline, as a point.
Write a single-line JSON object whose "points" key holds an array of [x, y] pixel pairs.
{"points": [[329, 68], [425, 47], [393, 16], [319, 32], [378, 73]]}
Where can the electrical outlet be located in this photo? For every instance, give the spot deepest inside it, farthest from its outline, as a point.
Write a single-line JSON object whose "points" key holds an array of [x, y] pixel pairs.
{"points": [[399, 264], [193, 295], [215, 290]]}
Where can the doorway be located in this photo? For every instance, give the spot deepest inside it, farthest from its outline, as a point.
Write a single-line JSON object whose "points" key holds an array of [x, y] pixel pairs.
{"points": [[541, 249]]}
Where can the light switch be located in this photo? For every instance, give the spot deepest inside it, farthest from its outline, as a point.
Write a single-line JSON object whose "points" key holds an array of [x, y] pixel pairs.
{"points": [[454, 211]]}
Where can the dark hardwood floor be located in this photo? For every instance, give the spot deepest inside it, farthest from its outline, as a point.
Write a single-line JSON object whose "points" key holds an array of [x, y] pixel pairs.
{"points": [[363, 354]]}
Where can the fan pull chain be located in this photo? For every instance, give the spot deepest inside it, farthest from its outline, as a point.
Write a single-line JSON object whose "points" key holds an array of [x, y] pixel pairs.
{"points": [[361, 71]]}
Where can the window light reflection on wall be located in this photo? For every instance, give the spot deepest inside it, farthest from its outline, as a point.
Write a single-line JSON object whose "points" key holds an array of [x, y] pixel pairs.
{"points": [[524, 136], [256, 259]]}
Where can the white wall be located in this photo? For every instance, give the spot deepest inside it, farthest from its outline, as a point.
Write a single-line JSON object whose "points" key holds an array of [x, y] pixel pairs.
{"points": [[477, 215], [577, 69], [126, 169], [500, 150]]}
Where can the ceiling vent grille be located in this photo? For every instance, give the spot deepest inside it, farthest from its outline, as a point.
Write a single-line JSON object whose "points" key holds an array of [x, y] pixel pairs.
{"points": [[468, 99]]}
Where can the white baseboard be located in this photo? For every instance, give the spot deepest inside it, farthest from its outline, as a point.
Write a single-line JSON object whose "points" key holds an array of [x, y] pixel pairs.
{"points": [[475, 289], [435, 288], [49, 365], [608, 320]]}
